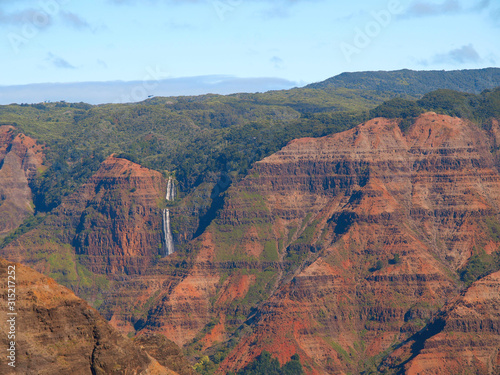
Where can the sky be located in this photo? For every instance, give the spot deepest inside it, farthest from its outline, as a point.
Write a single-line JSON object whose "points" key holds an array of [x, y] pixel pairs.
{"points": [[231, 45]]}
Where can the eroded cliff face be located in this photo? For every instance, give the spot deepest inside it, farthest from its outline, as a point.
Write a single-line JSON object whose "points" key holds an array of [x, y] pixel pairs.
{"points": [[334, 248], [371, 225], [21, 159], [103, 241], [464, 337], [112, 223], [119, 230], [58, 333]]}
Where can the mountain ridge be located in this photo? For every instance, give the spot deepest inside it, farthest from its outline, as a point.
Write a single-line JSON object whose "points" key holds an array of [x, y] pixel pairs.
{"points": [[414, 83]]}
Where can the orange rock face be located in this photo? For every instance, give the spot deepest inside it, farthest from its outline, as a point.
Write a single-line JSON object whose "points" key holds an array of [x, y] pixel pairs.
{"points": [[20, 160], [463, 338], [334, 248], [386, 220], [113, 222], [119, 229], [58, 333]]}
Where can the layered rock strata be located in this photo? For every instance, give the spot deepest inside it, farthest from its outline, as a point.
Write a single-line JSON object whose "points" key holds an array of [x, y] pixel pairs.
{"points": [[336, 248], [21, 158], [56, 332]]}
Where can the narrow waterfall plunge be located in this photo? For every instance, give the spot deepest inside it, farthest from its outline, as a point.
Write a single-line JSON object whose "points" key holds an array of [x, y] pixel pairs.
{"points": [[169, 241], [170, 190], [167, 232]]}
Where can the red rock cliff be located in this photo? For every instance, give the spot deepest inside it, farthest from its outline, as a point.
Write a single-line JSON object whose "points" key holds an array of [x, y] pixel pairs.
{"points": [[20, 159], [119, 229], [375, 223]]}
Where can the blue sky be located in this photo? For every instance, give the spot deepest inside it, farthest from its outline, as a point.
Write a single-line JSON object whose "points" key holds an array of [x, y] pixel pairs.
{"points": [[298, 41]]}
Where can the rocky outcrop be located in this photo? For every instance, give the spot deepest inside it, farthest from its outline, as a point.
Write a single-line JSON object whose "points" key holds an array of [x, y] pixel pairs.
{"points": [[373, 223], [113, 222], [119, 230], [463, 338], [58, 333], [21, 158], [103, 241], [166, 352]]}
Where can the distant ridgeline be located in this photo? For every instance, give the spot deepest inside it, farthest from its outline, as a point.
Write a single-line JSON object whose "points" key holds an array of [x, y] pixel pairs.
{"points": [[414, 83], [201, 138]]}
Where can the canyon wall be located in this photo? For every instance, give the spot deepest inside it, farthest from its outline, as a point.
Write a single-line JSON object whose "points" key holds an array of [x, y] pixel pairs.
{"points": [[337, 248], [21, 158]]}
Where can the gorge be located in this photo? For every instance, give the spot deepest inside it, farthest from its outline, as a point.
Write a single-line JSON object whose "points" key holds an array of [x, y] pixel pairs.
{"points": [[374, 249]]}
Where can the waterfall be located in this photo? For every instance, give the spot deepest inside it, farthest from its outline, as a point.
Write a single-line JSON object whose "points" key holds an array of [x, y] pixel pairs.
{"points": [[170, 190], [167, 232], [169, 241]]}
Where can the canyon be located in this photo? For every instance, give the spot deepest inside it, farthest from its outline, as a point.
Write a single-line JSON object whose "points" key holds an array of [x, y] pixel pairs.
{"points": [[345, 249]]}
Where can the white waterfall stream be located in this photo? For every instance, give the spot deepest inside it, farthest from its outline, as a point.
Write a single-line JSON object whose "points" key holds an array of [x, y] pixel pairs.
{"points": [[167, 232], [170, 190], [169, 241]]}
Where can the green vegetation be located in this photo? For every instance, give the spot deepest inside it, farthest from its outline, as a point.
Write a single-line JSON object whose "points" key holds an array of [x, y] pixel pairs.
{"points": [[479, 265], [260, 290], [493, 227], [477, 108], [406, 110], [412, 83], [264, 364], [29, 223], [300, 249], [397, 108], [396, 259], [205, 366], [64, 175]]}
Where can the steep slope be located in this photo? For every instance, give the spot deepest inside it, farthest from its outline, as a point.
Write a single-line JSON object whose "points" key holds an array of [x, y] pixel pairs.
{"points": [[58, 333], [103, 240], [20, 160], [121, 219], [371, 224], [335, 248], [113, 222], [463, 338], [165, 352]]}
